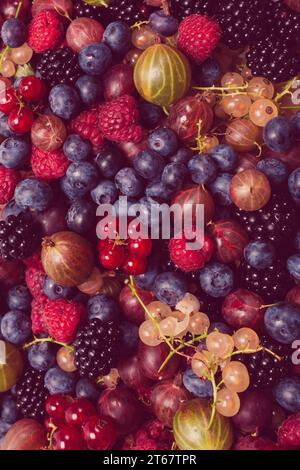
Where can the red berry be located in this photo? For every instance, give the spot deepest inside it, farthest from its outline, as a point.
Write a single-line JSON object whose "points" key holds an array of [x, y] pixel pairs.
{"points": [[45, 31], [140, 247], [198, 36], [135, 265], [56, 405], [289, 432], [51, 423], [68, 438], [86, 124], [32, 88], [112, 256], [78, 412], [21, 119], [188, 259], [9, 179], [48, 165], [62, 318], [8, 100], [99, 433]]}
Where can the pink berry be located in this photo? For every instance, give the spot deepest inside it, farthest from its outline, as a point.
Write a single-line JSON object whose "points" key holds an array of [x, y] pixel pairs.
{"points": [[289, 432]]}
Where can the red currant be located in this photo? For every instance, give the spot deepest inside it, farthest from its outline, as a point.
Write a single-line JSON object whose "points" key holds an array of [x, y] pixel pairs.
{"points": [[8, 100], [51, 423], [79, 411], [32, 89], [103, 243], [67, 438], [20, 120], [56, 405], [140, 247], [134, 265], [99, 433], [112, 256]]}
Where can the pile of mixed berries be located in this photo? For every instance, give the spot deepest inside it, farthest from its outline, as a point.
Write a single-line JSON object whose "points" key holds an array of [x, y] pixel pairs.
{"points": [[106, 336]]}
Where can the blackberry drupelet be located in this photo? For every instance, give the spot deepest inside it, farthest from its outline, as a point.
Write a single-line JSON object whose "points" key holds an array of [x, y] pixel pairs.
{"points": [[241, 21], [272, 284], [31, 394], [19, 237], [266, 370], [273, 58], [96, 348], [276, 222], [98, 13], [182, 8], [130, 11], [60, 66], [285, 21]]}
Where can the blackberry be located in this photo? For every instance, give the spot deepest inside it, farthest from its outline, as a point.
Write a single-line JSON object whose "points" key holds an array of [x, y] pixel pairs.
{"points": [[60, 66], [96, 348], [276, 222], [98, 13], [272, 284], [273, 58], [19, 237], [266, 370], [182, 8], [285, 21], [241, 21], [130, 11], [31, 394]]}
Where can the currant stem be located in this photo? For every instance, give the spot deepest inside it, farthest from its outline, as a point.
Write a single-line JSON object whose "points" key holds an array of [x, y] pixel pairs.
{"points": [[214, 404], [18, 9], [47, 340]]}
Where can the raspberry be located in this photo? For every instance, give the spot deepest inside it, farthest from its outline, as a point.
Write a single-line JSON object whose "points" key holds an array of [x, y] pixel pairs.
{"points": [[118, 120], [34, 261], [151, 436], [62, 318], [35, 278], [255, 443], [48, 165], [86, 124], [189, 260], [37, 315], [45, 31], [289, 431], [198, 36], [8, 182]]}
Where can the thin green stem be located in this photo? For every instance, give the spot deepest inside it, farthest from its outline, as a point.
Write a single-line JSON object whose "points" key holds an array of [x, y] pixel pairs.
{"points": [[215, 398], [47, 340], [18, 9]]}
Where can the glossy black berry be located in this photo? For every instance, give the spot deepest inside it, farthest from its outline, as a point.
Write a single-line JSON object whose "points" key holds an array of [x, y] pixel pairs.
{"points": [[129, 11], [60, 66], [31, 394], [19, 237], [182, 8]]}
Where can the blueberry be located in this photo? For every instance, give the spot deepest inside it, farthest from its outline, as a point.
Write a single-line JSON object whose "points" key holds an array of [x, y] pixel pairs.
{"points": [[4, 427], [81, 216], [90, 90], [174, 175], [279, 134], [287, 394], [76, 149], [216, 279], [122, 209], [275, 170], [282, 322], [148, 164], [118, 36], [163, 24], [128, 182], [109, 161], [19, 298], [33, 194], [158, 190], [55, 291], [146, 280], [294, 185], [201, 388], [103, 307], [221, 327], [83, 175], [59, 381], [170, 288], [42, 356], [94, 59], [293, 266], [14, 152], [11, 209], [64, 101], [224, 156], [105, 192], [220, 189], [260, 254], [5, 130], [151, 114], [203, 169], [88, 390], [164, 141], [16, 327], [71, 190], [182, 155], [13, 32], [208, 73], [295, 121], [149, 211], [129, 337], [9, 410], [297, 241]]}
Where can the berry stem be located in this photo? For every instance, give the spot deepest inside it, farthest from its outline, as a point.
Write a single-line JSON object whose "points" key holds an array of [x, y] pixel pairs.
{"points": [[47, 340], [215, 398], [18, 9]]}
